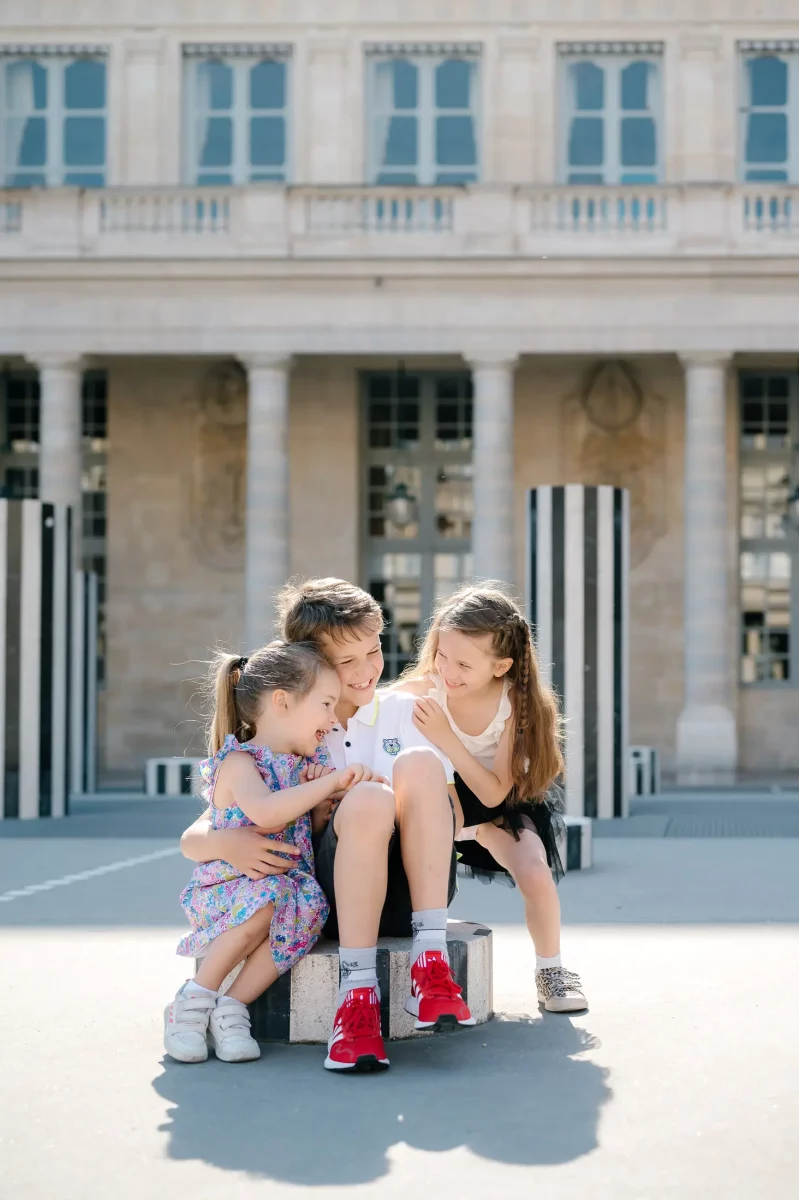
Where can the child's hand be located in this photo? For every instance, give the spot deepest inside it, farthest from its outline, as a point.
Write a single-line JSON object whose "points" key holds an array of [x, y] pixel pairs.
{"points": [[431, 720], [353, 774], [313, 771], [321, 813]]}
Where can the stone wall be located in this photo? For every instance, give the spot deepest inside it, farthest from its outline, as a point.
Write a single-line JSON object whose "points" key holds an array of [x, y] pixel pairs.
{"points": [[177, 432], [176, 536]]}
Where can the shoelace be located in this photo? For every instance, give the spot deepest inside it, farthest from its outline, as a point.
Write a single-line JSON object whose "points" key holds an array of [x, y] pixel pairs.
{"points": [[232, 1019], [359, 1017], [437, 982], [560, 982]]}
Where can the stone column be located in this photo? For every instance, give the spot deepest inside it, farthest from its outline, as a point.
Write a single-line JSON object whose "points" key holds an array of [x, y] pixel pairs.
{"points": [[60, 438], [706, 730], [267, 540], [492, 530]]}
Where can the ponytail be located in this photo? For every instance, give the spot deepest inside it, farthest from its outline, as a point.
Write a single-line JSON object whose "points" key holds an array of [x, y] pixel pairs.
{"points": [[239, 685], [226, 672]]}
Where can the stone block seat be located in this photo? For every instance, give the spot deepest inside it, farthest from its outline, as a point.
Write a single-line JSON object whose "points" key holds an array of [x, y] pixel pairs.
{"points": [[300, 1007]]}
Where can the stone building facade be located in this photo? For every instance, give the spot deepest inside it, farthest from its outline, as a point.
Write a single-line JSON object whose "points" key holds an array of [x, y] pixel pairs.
{"points": [[268, 268]]}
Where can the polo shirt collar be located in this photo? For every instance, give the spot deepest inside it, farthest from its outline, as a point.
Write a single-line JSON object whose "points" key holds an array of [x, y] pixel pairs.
{"points": [[367, 713]]}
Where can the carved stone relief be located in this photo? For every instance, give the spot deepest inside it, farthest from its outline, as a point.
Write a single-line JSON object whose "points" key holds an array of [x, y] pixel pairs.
{"points": [[217, 495], [614, 433]]}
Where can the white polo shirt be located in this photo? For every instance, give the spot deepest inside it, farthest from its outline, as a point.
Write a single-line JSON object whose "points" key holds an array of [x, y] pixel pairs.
{"points": [[377, 733]]}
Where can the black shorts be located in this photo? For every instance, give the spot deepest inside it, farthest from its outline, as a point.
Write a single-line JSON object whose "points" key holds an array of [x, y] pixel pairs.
{"points": [[395, 919]]}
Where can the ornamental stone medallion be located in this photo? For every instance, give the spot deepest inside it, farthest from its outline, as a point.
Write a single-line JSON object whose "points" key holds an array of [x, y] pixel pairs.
{"points": [[217, 498], [614, 434]]}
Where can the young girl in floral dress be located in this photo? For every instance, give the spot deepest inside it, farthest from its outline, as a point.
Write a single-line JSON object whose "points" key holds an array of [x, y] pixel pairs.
{"points": [[272, 712], [481, 701]]}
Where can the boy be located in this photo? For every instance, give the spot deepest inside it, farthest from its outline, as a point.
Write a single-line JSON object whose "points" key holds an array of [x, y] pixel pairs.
{"points": [[386, 859]]}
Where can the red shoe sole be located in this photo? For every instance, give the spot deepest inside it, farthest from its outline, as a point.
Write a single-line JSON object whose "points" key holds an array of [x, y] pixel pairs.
{"points": [[446, 1023]]}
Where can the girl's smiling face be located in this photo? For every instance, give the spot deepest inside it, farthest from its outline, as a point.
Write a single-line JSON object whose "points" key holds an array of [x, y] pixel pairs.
{"points": [[466, 663]]}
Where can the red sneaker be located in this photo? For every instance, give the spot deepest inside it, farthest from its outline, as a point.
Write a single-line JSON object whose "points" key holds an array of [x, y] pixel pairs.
{"points": [[356, 1043], [435, 998]]}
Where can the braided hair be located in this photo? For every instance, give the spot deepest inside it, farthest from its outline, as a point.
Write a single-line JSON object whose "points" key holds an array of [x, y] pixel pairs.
{"points": [[536, 753]]}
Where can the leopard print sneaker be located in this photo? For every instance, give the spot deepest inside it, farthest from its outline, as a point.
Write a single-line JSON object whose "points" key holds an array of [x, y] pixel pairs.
{"points": [[560, 990]]}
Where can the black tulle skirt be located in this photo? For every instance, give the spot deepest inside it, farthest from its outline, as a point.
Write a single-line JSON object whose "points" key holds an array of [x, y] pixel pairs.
{"points": [[545, 817]]}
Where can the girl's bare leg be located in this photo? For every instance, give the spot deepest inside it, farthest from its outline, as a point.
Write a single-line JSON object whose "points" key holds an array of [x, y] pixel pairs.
{"points": [[258, 973], [527, 862], [228, 950]]}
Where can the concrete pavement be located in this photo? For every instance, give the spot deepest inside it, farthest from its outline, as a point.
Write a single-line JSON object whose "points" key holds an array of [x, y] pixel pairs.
{"points": [[679, 1082]]}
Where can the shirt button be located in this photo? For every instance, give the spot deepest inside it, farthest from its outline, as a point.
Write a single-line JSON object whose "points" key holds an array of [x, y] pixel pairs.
{"points": [[348, 744]]}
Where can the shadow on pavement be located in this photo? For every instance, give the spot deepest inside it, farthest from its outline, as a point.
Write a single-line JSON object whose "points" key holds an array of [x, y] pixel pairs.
{"points": [[514, 1091]]}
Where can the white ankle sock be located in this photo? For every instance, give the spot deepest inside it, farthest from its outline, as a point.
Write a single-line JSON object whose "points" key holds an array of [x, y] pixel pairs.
{"points": [[429, 927], [197, 988], [541, 964], [358, 969]]}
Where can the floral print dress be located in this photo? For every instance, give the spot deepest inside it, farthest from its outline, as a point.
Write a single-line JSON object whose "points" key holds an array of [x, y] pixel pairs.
{"points": [[218, 898]]}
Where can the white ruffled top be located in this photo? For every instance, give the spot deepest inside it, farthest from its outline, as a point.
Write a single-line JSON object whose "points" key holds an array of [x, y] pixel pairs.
{"points": [[482, 746]]}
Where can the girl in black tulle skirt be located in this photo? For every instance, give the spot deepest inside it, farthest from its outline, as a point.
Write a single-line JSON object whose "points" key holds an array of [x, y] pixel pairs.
{"points": [[481, 701]]}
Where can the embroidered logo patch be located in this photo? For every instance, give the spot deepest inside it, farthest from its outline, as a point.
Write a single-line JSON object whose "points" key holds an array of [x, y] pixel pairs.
{"points": [[391, 746]]}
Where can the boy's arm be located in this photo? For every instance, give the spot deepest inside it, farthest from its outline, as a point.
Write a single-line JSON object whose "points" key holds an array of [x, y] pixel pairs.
{"points": [[249, 849]]}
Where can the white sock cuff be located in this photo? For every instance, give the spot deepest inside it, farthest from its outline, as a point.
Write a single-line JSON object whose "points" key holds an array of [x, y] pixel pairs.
{"points": [[542, 964]]}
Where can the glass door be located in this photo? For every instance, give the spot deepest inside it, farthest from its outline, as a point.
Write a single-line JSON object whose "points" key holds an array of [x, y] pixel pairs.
{"points": [[417, 508]]}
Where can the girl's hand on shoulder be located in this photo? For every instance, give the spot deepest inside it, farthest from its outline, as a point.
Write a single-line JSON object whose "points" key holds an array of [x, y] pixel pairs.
{"points": [[431, 720]]}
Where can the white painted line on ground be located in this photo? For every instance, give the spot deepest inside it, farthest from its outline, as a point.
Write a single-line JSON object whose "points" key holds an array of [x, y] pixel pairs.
{"points": [[92, 873]]}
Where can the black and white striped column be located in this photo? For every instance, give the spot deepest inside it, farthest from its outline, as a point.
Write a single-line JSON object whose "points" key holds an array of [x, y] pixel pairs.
{"points": [[578, 588], [35, 569], [83, 684]]}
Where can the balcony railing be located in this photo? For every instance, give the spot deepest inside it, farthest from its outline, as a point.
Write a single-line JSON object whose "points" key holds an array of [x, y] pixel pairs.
{"points": [[385, 222]]}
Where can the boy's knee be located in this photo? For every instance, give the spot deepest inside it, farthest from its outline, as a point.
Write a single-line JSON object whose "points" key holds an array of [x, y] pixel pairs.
{"points": [[419, 762], [367, 807]]}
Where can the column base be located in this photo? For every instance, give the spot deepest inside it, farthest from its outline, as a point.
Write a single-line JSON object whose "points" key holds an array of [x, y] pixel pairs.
{"points": [[707, 745]]}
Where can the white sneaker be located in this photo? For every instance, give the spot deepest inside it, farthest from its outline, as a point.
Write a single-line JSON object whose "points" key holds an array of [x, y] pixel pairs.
{"points": [[186, 1024], [229, 1032]]}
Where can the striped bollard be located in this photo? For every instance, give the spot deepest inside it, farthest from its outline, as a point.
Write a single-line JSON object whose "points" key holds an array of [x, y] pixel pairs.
{"points": [[83, 684], [35, 556], [578, 588]]}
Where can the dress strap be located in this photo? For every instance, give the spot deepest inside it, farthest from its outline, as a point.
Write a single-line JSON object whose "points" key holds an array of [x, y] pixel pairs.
{"points": [[209, 769]]}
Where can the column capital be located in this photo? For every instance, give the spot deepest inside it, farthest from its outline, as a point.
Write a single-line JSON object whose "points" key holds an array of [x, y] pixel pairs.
{"points": [[266, 361], [53, 360], [705, 358], [492, 360]]}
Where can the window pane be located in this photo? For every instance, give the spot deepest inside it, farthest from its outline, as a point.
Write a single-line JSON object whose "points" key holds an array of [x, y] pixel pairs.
{"points": [[267, 141], [84, 141], [268, 85], [634, 85], [768, 82], [587, 142], [638, 142], [401, 142], [26, 87], [214, 86], [26, 142], [84, 84], [405, 76], [453, 84], [766, 138], [455, 142], [216, 142], [588, 82]]}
